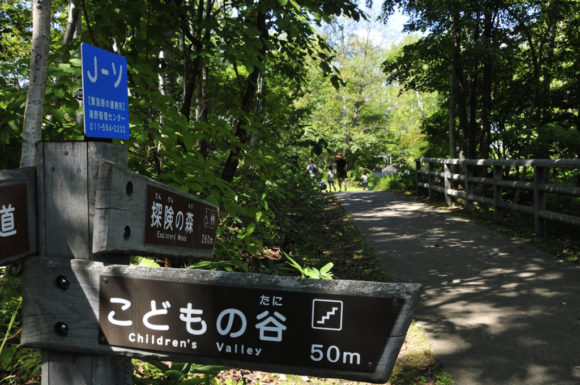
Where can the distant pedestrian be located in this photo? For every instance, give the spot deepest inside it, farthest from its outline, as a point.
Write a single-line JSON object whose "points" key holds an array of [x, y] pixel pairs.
{"points": [[330, 179], [340, 171], [312, 169], [365, 180]]}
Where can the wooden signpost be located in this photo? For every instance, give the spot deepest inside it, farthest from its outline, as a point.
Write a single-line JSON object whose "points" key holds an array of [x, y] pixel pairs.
{"points": [[66, 186], [89, 311], [80, 214]]}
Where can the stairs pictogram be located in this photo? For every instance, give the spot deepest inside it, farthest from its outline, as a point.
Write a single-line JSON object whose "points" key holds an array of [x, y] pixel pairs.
{"points": [[327, 316]]}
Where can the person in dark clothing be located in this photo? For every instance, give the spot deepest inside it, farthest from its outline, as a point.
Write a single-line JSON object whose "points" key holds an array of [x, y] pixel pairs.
{"points": [[340, 171]]}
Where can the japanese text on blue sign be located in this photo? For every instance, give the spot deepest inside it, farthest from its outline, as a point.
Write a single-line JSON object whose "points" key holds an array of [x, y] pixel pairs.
{"points": [[105, 93]]}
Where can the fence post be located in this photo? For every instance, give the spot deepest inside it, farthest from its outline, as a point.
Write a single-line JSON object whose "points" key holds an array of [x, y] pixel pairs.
{"points": [[417, 176], [468, 186], [447, 183], [430, 179], [540, 177], [66, 180], [497, 194]]}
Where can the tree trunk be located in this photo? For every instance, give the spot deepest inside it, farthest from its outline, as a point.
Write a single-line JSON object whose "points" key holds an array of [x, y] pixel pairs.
{"points": [[72, 31], [73, 24], [485, 138], [473, 123], [231, 165], [452, 128], [202, 106], [473, 131], [459, 88], [192, 30], [33, 112]]}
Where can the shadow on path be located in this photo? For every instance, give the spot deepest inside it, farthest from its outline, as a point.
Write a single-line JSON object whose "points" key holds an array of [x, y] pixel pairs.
{"points": [[497, 311]]}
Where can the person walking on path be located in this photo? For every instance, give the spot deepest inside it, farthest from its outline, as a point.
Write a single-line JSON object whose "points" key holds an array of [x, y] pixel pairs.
{"points": [[365, 180], [340, 171], [312, 169], [330, 174]]}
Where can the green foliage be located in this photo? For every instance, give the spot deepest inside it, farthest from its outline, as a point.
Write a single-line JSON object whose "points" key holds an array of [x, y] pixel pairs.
{"points": [[156, 372], [402, 181], [17, 364], [516, 81], [365, 118], [311, 272]]}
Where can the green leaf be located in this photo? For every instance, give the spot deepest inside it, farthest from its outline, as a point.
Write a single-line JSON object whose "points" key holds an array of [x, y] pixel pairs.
{"points": [[326, 268], [75, 62], [296, 5], [147, 262], [250, 229]]}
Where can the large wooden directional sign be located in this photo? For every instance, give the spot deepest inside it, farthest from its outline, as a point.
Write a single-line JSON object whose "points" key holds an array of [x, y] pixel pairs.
{"points": [[137, 215], [343, 329], [17, 214], [258, 325]]}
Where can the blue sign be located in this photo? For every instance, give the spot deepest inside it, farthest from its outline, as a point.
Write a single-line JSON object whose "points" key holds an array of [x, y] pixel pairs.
{"points": [[105, 93]]}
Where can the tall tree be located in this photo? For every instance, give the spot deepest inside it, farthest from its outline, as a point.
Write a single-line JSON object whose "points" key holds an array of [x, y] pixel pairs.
{"points": [[34, 111]]}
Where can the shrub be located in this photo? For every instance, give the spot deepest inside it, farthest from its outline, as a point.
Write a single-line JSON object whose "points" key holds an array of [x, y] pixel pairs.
{"points": [[402, 181]]}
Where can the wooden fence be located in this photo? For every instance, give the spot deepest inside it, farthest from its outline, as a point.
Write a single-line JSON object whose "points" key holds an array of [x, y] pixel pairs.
{"points": [[470, 179]]}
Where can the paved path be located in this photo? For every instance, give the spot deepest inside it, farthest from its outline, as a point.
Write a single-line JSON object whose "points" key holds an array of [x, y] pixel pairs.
{"points": [[497, 311]]}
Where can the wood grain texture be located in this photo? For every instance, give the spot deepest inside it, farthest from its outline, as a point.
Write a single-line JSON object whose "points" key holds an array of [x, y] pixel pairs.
{"points": [[120, 215], [65, 181]]}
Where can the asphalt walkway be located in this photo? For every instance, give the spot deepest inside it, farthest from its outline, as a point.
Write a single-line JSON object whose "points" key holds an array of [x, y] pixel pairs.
{"points": [[496, 311]]}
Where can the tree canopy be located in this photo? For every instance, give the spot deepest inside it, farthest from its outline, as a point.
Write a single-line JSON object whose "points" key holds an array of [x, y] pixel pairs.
{"points": [[229, 98], [509, 72]]}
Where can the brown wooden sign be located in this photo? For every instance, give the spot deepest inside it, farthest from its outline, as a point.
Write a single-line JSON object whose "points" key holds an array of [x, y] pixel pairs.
{"points": [[137, 215], [177, 220], [261, 325], [17, 214], [340, 329]]}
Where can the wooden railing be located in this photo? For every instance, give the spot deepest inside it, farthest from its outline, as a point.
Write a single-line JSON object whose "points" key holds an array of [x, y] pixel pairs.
{"points": [[490, 182]]}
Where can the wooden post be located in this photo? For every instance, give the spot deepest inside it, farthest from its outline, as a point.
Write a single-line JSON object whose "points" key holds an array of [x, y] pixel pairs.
{"points": [[66, 180], [417, 177], [540, 177], [447, 183], [430, 179], [468, 186], [497, 194]]}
